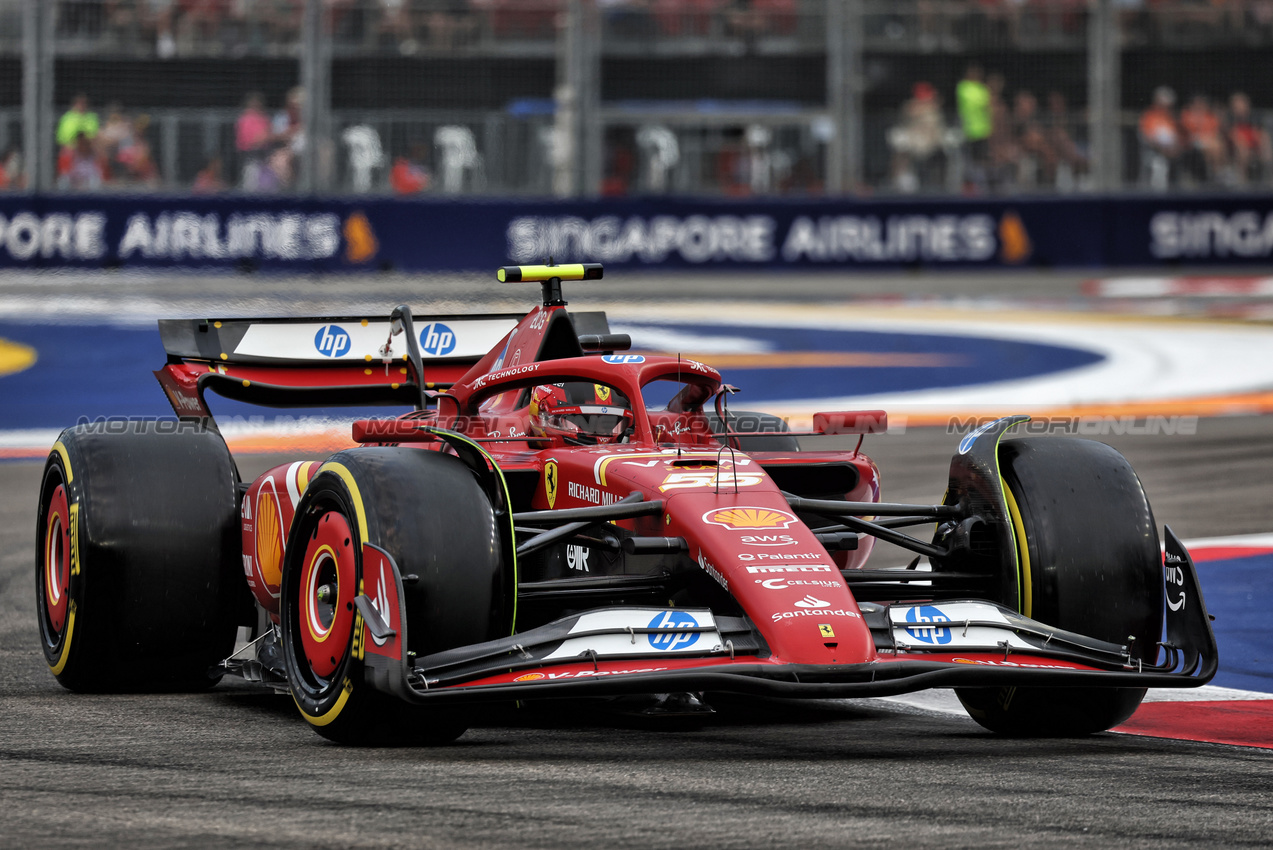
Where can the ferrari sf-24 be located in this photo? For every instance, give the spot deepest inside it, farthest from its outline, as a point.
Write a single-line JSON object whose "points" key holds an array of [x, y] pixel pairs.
{"points": [[559, 517]]}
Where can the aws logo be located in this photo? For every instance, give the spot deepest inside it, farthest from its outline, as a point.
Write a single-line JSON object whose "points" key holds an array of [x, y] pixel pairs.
{"points": [[361, 244]]}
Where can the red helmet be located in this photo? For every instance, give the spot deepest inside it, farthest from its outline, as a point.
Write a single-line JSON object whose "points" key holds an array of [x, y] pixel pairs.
{"points": [[582, 413]]}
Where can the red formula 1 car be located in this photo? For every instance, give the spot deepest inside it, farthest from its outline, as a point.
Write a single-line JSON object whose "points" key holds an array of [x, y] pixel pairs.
{"points": [[559, 517]]}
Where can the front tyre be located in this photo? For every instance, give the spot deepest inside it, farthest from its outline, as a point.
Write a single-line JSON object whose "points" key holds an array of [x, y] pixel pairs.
{"points": [[428, 511], [1089, 562]]}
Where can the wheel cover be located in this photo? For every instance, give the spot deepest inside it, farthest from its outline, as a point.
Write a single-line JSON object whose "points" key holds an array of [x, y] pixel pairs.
{"points": [[55, 570], [326, 624]]}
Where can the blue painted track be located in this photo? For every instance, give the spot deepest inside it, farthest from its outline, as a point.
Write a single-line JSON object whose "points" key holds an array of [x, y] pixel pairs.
{"points": [[1237, 596], [970, 360]]}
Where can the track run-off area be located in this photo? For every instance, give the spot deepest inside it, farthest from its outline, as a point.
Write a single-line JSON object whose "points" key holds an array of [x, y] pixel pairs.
{"points": [[1171, 381]]}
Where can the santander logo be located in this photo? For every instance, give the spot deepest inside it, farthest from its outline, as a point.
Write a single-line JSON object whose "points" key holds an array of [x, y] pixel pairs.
{"points": [[812, 602]]}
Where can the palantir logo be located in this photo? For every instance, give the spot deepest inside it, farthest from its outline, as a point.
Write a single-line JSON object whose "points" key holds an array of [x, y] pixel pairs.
{"points": [[928, 633], [437, 340], [332, 341], [670, 639]]}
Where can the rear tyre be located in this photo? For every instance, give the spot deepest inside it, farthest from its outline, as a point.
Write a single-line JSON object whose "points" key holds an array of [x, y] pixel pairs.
{"points": [[1089, 562], [138, 581], [429, 512]]}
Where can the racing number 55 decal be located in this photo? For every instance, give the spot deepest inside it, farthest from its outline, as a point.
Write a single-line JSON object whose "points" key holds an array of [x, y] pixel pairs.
{"points": [[710, 478]]}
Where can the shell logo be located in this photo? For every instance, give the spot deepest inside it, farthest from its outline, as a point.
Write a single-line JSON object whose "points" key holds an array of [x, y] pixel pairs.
{"points": [[749, 518], [529, 677], [269, 539]]}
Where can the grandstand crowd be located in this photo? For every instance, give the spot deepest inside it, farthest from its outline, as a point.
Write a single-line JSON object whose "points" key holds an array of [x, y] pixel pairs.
{"points": [[993, 130]]}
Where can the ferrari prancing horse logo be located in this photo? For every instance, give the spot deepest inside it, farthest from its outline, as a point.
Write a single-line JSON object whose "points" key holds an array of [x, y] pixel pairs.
{"points": [[550, 482]]}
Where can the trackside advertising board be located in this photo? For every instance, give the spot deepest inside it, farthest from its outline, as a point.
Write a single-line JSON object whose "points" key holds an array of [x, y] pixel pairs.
{"points": [[369, 234]]}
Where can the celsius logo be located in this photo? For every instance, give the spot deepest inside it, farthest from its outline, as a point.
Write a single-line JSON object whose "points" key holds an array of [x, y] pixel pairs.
{"points": [[332, 341], [928, 633], [437, 340], [669, 620]]}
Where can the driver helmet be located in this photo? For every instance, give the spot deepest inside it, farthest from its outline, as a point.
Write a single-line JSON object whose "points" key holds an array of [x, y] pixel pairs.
{"points": [[580, 412]]}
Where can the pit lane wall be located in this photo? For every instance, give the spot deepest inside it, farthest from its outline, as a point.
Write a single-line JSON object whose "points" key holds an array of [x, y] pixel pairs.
{"points": [[370, 234]]}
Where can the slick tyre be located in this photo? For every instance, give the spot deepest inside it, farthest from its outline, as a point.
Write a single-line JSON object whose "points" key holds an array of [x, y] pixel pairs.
{"points": [[428, 511], [1089, 562], [137, 569]]}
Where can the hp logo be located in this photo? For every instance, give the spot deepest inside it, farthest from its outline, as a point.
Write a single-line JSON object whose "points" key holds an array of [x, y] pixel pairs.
{"points": [[928, 633], [622, 359], [437, 340], [672, 639], [332, 341]]}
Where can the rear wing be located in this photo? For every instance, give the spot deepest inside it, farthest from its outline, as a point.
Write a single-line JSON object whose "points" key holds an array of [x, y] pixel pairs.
{"points": [[342, 341], [350, 360], [312, 362]]}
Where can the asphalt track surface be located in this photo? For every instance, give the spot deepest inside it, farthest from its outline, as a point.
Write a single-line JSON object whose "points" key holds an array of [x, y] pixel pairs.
{"points": [[237, 767]]}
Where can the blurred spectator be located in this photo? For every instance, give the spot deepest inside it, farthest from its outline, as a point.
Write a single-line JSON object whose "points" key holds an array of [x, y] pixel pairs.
{"points": [[1071, 160], [1160, 140], [1205, 156], [289, 135], [1249, 143], [621, 163], [165, 43], [1003, 153], [209, 180], [79, 168], [117, 132], [135, 157], [450, 23], [917, 140], [1036, 161], [251, 138], [972, 98], [75, 121], [410, 175], [395, 22], [11, 174]]}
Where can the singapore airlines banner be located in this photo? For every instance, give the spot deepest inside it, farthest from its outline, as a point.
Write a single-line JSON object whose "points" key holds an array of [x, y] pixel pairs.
{"points": [[373, 234]]}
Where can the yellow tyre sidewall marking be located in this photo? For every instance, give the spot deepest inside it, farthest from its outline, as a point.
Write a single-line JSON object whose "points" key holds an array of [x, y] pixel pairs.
{"points": [[347, 687], [1023, 552], [15, 357], [332, 713]]}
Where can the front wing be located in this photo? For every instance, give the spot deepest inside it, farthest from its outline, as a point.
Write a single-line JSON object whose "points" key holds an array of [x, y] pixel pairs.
{"points": [[611, 652]]}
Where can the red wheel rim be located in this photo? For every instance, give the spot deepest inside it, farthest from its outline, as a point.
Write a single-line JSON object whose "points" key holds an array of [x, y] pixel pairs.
{"points": [[327, 590], [56, 572]]}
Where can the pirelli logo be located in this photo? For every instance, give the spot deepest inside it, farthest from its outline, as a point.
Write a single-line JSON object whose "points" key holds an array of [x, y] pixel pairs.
{"points": [[793, 568], [74, 531]]}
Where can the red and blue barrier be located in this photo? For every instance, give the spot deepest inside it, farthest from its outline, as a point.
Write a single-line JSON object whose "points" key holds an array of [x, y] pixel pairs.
{"points": [[349, 234]]}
